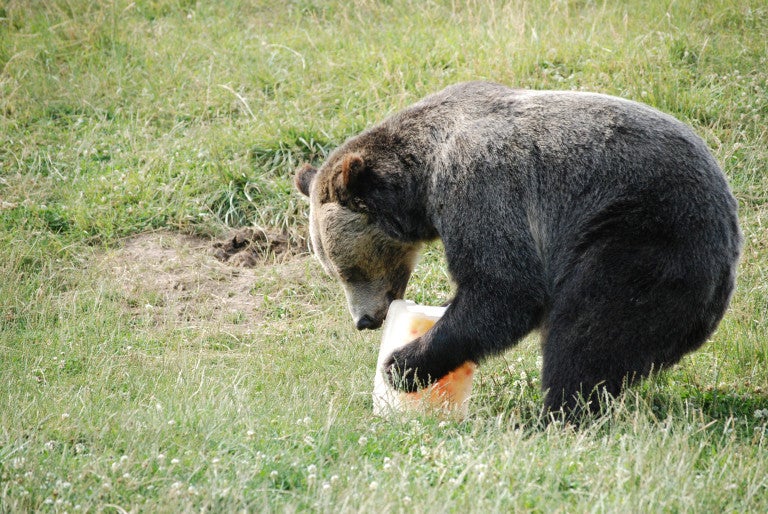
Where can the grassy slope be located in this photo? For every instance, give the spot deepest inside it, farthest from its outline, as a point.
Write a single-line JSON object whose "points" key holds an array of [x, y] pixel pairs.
{"points": [[121, 117]]}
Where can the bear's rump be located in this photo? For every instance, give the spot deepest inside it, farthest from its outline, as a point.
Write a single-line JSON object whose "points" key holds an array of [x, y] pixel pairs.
{"points": [[646, 278]]}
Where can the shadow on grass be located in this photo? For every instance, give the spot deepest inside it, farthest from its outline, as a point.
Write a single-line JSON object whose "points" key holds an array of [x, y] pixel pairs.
{"points": [[745, 410]]}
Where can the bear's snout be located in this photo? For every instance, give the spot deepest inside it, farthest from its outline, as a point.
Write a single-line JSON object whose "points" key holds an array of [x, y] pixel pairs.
{"points": [[366, 322], [368, 303]]}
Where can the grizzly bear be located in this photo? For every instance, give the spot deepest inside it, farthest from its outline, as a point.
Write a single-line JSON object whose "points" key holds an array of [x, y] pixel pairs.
{"points": [[604, 223]]}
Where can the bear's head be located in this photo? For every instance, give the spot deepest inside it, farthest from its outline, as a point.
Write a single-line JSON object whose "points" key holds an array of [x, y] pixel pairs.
{"points": [[372, 265]]}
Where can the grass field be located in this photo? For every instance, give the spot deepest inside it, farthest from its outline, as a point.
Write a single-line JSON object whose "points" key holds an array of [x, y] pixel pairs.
{"points": [[138, 373]]}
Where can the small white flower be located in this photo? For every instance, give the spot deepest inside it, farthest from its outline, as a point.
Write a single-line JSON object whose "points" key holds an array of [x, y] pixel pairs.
{"points": [[334, 479], [215, 460], [65, 415], [171, 422], [311, 469], [373, 486], [174, 461], [160, 456], [273, 474], [362, 441], [250, 433], [326, 486], [406, 500]]}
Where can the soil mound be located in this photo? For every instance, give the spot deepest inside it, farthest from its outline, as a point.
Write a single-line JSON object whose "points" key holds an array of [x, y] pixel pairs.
{"points": [[253, 246]]}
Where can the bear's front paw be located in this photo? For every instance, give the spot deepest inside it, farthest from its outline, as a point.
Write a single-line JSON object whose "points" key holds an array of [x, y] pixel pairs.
{"points": [[407, 370]]}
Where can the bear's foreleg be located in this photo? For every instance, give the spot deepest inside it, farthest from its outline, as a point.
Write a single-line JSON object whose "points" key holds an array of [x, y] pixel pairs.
{"points": [[483, 319]]}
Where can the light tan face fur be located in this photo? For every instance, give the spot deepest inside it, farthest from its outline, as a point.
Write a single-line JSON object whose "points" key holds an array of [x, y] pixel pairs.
{"points": [[373, 268]]}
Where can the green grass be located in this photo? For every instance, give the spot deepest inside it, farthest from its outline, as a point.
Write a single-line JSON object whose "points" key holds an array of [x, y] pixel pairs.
{"points": [[186, 385]]}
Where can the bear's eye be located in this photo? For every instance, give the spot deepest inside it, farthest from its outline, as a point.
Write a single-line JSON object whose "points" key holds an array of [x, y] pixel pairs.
{"points": [[353, 274]]}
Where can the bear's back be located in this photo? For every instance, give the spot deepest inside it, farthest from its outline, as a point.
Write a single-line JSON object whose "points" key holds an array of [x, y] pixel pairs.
{"points": [[568, 164], [563, 150]]}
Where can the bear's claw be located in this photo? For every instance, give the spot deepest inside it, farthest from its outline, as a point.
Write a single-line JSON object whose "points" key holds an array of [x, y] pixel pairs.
{"points": [[405, 371], [402, 380]]}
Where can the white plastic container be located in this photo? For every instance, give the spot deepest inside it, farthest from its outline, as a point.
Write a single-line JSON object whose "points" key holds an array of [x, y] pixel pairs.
{"points": [[449, 396]]}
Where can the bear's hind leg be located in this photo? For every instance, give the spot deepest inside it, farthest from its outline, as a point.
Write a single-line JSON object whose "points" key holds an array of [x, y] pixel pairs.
{"points": [[621, 314], [580, 372]]}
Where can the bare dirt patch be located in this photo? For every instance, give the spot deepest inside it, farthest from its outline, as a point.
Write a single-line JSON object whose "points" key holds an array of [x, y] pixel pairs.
{"points": [[189, 282]]}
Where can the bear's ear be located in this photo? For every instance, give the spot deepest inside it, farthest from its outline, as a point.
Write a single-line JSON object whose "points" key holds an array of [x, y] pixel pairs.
{"points": [[304, 177], [352, 170], [348, 180]]}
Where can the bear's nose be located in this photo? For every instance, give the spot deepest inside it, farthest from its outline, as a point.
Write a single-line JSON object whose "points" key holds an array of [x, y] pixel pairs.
{"points": [[367, 322]]}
